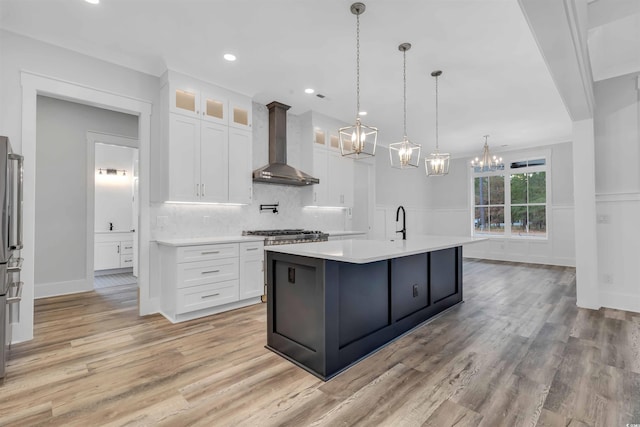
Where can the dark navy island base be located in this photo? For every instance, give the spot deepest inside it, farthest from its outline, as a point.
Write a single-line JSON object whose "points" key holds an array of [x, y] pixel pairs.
{"points": [[325, 315]]}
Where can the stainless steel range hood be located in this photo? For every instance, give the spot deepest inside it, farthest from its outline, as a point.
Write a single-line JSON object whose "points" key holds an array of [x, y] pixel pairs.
{"points": [[278, 171]]}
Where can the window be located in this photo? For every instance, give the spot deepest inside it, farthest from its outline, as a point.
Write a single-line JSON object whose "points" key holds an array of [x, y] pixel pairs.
{"points": [[489, 204], [517, 209]]}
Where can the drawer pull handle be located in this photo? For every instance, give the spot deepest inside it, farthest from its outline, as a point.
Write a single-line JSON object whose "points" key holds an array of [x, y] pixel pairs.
{"points": [[209, 296], [209, 272], [128, 247], [252, 249], [210, 252], [128, 260]]}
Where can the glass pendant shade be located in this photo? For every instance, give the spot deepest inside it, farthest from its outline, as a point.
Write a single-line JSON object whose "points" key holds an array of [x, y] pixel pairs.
{"points": [[437, 163], [358, 140], [487, 162], [404, 154]]}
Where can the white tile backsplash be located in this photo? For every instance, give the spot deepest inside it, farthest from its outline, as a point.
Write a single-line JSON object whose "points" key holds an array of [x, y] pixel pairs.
{"points": [[186, 220]]}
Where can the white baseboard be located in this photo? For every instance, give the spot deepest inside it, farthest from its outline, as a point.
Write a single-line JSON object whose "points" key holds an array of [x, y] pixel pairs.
{"points": [[44, 290], [621, 301]]}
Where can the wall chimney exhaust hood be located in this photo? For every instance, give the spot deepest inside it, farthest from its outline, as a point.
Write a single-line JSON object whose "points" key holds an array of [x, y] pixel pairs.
{"points": [[278, 171]]}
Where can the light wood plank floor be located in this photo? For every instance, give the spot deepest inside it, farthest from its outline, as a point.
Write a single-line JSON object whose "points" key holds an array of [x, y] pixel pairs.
{"points": [[517, 352]]}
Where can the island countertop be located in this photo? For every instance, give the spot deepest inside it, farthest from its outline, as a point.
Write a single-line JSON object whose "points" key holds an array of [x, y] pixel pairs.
{"points": [[365, 251]]}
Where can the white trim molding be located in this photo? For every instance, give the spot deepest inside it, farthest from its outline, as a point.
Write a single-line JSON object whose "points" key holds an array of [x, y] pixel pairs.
{"points": [[34, 84]]}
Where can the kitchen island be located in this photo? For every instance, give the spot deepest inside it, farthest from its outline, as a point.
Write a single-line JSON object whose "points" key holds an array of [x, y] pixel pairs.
{"points": [[331, 304]]}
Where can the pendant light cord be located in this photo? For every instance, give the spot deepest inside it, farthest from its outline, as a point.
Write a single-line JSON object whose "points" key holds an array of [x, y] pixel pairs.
{"points": [[404, 77], [437, 149], [358, 64]]}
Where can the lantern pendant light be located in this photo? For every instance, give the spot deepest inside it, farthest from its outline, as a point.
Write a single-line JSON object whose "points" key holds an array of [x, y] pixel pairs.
{"points": [[358, 140], [487, 162], [437, 163], [404, 154]]}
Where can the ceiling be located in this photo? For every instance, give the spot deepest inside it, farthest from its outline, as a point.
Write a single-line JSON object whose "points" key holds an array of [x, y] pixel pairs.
{"points": [[494, 79]]}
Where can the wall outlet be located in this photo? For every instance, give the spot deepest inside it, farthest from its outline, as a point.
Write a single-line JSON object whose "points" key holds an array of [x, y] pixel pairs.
{"points": [[349, 213], [607, 278], [205, 219], [603, 219]]}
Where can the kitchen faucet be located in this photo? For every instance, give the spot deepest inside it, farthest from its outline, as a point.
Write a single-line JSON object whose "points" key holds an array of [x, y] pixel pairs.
{"points": [[404, 222]]}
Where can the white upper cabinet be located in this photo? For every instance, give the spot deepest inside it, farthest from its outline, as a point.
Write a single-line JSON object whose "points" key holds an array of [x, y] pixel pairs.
{"points": [[240, 112], [183, 158], [214, 107], [334, 171], [214, 164], [207, 142], [240, 161]]}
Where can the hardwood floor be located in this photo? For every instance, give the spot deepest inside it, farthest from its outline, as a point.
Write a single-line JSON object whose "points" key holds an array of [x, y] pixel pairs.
{"points": [[517, 352]]}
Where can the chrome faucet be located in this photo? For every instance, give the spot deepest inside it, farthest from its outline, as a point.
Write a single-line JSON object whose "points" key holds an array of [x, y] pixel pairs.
{"points": [[404, 222]]}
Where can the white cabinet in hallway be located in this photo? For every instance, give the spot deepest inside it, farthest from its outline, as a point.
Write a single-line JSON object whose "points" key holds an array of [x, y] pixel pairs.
{"points": [[112, 250], [203, 277]]}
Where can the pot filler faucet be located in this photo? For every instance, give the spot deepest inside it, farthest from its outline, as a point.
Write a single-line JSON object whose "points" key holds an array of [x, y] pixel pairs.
{"points": [[404, 222]]}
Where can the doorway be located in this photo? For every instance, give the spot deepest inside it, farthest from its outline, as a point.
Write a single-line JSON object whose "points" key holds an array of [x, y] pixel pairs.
{"points": [[32, 86], [112, 162]]}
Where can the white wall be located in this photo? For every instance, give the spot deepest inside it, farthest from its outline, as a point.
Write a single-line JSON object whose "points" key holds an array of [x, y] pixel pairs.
{"points": [[114, 193], [61, 185], [617, 142], [449, 212], [399, 187]]}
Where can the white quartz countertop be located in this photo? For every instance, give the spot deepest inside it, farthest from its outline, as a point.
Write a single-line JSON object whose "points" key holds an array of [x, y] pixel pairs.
{"points": [[345, 233], [194, 241], [364, 251]]}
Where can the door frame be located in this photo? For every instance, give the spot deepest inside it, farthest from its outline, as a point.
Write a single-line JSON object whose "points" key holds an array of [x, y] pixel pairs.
{"points": [[32, 86], [94, 138]]}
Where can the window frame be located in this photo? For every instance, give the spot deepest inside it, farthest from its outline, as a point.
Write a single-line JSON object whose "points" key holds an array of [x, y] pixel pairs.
{"points": [[506, 173]]}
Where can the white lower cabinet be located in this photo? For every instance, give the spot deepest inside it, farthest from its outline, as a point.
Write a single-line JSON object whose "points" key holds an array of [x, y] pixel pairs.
{"points": [[112, 250], [199, 280], [251, 270]]}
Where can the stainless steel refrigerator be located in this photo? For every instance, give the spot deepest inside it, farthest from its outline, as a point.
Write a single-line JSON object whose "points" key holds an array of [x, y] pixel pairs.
{"points": [[11, 187]]}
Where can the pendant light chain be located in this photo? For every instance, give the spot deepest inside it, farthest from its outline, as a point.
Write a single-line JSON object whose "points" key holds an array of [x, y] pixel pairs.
{"points": [[358, 64], [404, 77]]}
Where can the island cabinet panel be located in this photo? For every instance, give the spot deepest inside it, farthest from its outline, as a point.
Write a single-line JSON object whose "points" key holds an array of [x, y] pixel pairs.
{"points": [[297, 295], [363, 300], [444, 274], [325, 315], [410, 290]]}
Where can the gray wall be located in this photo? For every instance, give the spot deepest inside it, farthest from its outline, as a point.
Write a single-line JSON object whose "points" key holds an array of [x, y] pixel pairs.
{"points": [[61, 184]]}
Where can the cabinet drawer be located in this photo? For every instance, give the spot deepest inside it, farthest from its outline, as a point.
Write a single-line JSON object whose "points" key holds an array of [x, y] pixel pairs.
{"points": [[126, 247], [252, 249], [205, 272], [205, 296], [205, 252], [126, 260]]}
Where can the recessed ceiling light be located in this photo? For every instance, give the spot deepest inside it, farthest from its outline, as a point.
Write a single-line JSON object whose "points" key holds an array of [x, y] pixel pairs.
{"points": [[309, 90], [362, 113], [229, 57], [93, 1]]}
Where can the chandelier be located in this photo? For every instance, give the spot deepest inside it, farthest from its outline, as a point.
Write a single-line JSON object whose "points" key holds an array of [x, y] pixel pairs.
{"points": [[358, 140], [437, 163], [487, 162], [404, 154]]}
